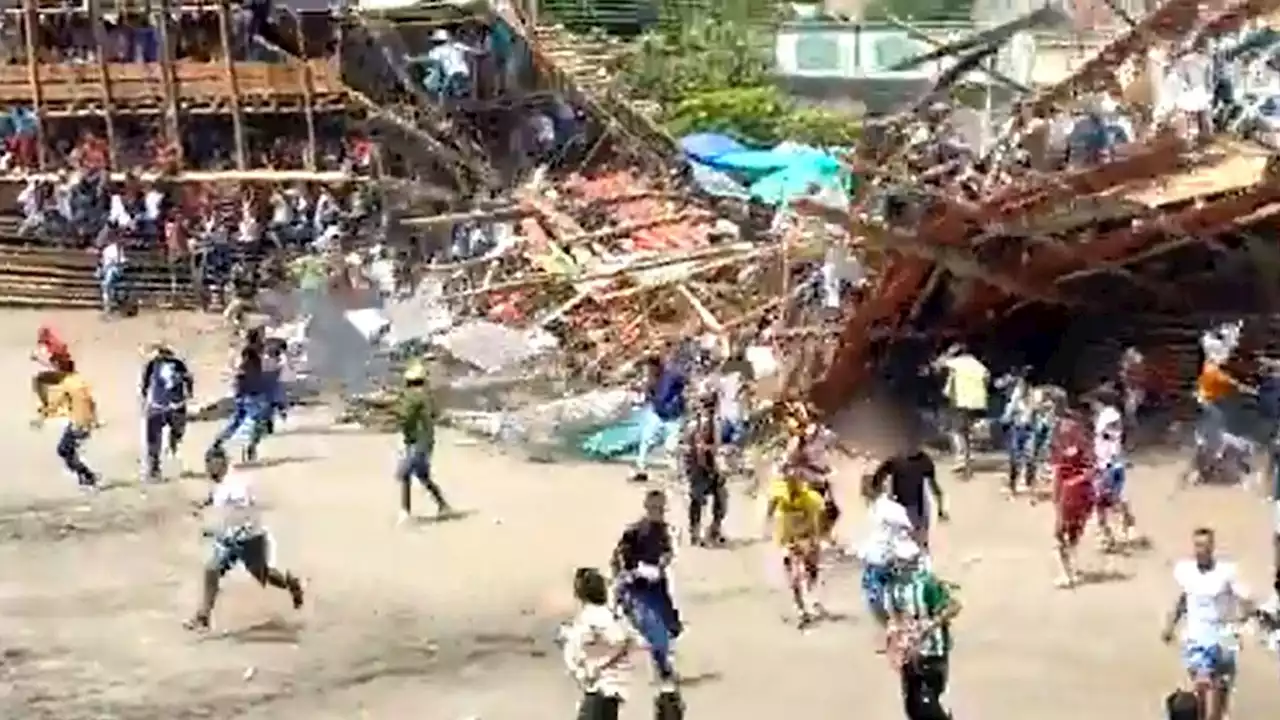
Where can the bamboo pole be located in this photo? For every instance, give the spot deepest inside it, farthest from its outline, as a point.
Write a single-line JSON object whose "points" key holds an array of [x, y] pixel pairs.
{"points": [[104, 77], [167, 77], [229, 63], [738, 252], [308, 93], [30, 27]]}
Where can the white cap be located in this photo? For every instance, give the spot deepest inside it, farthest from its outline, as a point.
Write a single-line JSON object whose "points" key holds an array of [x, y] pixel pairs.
{"points": [[440, 35]]}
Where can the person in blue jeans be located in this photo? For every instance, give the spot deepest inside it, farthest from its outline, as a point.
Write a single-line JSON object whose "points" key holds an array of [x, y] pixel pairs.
{"points": [[663, 414], [251, 405], [640, 562], [167, 386]]}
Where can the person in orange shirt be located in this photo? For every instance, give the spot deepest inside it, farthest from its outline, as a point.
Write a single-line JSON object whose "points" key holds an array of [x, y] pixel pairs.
{"points": [[71, 401], [1214, 385]]}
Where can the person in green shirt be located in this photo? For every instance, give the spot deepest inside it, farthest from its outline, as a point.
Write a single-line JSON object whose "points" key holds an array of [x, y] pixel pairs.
{"points": [[416, 415], [920, 607]]}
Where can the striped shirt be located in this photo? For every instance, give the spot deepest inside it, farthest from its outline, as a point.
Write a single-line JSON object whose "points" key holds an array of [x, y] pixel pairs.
{"points": [[919, 599]]}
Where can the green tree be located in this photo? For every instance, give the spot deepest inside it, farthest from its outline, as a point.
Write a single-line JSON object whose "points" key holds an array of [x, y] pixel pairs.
{"points": [[715, 75]]}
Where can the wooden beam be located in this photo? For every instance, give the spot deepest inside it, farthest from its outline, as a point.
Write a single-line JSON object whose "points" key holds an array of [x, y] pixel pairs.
{"points": [[308, 95], [104, 77], [31, 26], [709, 320], [229, 64]]}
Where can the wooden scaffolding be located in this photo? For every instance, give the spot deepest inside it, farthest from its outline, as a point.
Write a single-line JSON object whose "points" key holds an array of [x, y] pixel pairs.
{"points": [[306, 84]]}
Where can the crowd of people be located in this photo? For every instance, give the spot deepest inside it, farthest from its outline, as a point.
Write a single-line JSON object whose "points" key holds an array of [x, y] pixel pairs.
{"points": [[224, 233]]}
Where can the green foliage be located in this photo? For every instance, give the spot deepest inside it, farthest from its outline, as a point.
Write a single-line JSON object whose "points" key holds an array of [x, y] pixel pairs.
{"points": [[703, 56], [760, 115], [715, 76], [753, 114]]}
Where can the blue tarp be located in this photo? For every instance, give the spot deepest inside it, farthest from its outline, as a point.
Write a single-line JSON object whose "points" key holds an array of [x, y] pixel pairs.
{"points": [[722, 166], [701, 147]]}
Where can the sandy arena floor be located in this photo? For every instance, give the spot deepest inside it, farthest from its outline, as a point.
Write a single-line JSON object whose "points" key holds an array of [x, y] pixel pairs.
{"points": [[453, 620]]}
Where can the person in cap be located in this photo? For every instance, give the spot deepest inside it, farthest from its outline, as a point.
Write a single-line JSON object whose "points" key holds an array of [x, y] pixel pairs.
{"points": [[448, 66], [920, 608], [166, 386], [417, 413]]}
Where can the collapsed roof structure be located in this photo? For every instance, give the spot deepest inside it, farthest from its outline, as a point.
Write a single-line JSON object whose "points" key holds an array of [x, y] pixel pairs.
{"points": [[1008, 247]]}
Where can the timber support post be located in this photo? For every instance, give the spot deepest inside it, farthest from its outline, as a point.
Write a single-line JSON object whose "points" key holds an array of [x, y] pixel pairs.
{"points": [[308, 94], [31, 27], [229, 63], [161, 21], [104, 77]]}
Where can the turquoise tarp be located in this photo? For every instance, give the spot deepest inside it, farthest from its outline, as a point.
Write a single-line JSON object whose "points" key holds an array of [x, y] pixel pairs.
{"points": [[811, 175]]}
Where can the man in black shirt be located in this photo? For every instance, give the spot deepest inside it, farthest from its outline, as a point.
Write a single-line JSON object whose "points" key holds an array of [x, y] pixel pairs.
{"points": [[640, 562], [907, 474]]}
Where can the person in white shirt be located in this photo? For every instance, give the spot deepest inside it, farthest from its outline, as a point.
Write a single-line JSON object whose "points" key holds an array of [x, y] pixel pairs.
{"points": [[239, 537], [1110, 461], [596, 648], [890, 525], [1211, 602], [110, 271], [448, 68]]}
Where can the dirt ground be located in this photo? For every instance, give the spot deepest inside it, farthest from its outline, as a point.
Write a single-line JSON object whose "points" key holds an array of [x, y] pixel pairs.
{"points": [[454, 620]]}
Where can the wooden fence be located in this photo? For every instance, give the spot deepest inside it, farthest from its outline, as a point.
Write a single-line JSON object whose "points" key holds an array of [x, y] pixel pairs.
{"points": [[38, 275]]}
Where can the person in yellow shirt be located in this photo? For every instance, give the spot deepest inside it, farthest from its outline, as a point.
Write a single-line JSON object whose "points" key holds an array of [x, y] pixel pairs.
{"points": [[965, 388], [795, 516], [71, 402]]}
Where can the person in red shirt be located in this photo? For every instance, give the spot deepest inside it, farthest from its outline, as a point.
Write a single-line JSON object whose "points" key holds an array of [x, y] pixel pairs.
{"points": [[54, 357], [1071, 456]]}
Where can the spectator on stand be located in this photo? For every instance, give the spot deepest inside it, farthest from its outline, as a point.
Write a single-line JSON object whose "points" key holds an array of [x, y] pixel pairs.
{"points": [[111, 262]]}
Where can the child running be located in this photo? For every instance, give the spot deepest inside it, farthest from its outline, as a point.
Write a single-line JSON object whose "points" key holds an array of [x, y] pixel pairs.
{"points": [[795, 517]]}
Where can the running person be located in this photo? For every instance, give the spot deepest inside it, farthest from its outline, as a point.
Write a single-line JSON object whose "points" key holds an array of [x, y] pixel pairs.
{"points": [[1110, 463], [701, 462], [1071, 456], [911, 478], [890, 526], [238, 538], [795, 513], [166, 387], [1210, 601], [921, 608], [640, 563], [417, 414], [71, 401], [54, 358]]}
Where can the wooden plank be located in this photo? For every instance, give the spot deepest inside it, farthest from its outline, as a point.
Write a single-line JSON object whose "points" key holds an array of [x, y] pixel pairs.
{"points": [[133, 82]]}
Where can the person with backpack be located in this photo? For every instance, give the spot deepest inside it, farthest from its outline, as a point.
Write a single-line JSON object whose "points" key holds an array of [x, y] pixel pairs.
{"points": [[167, 386]]}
